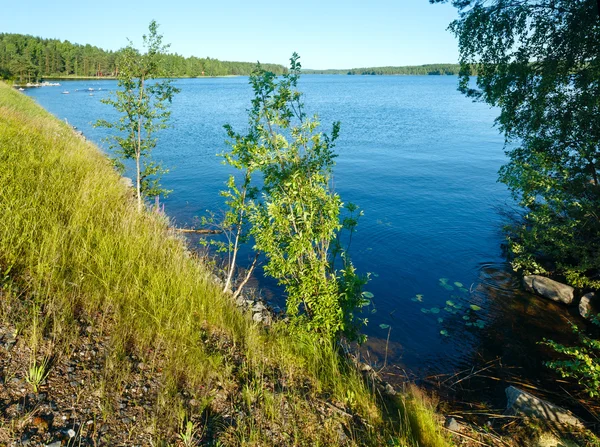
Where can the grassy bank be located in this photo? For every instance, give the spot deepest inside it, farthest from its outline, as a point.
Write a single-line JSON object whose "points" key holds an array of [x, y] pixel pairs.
{"points": [[77, 259]]}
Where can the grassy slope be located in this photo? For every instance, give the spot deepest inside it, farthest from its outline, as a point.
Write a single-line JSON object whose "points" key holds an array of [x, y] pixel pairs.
{"points": [[73, 247]]}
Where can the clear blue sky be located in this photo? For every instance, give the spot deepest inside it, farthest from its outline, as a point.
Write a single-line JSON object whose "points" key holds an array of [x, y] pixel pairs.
{"points": [[326, 34]]}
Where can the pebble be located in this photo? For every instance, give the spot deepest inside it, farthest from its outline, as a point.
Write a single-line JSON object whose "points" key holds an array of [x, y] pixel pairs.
{"points": [[451, 424], [389, 389]]}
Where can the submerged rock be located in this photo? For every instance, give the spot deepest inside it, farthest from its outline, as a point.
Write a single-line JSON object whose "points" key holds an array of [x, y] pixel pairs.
{"points": [[589, 305], [521, 402], [548, 288]]}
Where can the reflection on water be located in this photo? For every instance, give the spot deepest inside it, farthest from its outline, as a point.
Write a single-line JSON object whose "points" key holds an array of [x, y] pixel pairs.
{"points": [[421, 160]]}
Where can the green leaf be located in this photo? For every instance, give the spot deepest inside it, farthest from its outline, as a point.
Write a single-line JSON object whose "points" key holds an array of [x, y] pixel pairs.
{"points": [[444, 332], [458, 284], [434, 310], [475, 307], [367, 294], [440, 320], [384, 326]]}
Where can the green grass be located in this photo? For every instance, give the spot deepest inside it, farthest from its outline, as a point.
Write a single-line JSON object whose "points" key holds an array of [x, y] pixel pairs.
{"points": [[73, 247]]}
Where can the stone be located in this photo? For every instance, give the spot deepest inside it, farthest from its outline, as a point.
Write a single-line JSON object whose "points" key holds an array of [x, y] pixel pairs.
{"points": [[589, 305], [127, 182], [258, 307], [389, 389], [452, 424], [522, 402], [548, 288], [257, 317]]}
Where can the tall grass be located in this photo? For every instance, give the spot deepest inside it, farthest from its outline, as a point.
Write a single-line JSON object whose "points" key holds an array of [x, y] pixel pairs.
{"points": [[71, 238]]}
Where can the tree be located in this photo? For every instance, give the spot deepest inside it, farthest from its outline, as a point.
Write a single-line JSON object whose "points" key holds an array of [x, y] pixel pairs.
{"points": [[292, 212], [538, 60], [142, 102]]}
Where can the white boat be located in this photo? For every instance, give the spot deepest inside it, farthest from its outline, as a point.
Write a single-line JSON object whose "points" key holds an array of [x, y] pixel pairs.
{"points": [[65, 92], [21, 89]]}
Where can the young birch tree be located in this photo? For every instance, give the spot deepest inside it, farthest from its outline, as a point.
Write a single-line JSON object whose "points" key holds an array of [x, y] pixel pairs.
{"points": [[293, 215], [142, 100]]}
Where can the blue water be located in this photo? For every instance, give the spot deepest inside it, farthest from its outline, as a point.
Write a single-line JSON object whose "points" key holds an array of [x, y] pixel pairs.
{"points": [[421, 160]]}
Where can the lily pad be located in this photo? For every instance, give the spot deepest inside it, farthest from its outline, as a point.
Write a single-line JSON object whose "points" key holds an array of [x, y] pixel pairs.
{"points": [[450, 310], [440, 320], [480, 324], [466, 317], [434, 310], [450, 303], [425, 311], [463, 290], [443, 280], [444, 332], [368, 295], [458, 284], [384, 326], [447, 286], [475, 307], [468, 324]]}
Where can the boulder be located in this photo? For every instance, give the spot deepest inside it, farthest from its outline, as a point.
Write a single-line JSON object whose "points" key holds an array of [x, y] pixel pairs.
{"points": [[127, 182], [521, 402], [452, 424], [548, 288], [589, 305]]}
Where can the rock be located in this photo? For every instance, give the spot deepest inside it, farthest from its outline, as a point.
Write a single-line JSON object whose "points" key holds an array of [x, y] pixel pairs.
{"points": [[258, 307], [521, 402], [548, 288], [127, 182], [257, 317], [40, 423], [589, 305], [389, 389], [452, 424]]}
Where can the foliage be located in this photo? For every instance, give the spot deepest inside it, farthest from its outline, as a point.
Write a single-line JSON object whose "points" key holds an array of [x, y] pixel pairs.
{"points": [[142, 103], [538, 60], [32, 58], [72, 241], [37, 373], [583, 362], [428, 69], [294, 214]]}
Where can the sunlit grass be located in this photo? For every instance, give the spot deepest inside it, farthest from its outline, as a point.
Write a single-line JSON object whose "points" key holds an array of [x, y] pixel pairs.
{"points": [[71, 237]]}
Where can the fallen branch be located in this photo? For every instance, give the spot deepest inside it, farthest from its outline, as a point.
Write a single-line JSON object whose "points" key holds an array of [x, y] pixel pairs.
{"points": [[197, 230]]}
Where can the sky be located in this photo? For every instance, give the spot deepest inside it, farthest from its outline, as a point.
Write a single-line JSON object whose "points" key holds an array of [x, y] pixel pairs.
{"points": [[326, 33]]}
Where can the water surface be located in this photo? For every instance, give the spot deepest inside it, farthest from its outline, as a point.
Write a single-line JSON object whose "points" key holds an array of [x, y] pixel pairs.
{"points": [[421, 160]]}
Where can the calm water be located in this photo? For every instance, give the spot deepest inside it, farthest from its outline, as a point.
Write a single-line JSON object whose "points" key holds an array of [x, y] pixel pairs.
{"points": [[421, 160]]}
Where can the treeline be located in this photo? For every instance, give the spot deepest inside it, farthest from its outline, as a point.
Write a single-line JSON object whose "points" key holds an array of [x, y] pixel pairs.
{"points": [[429, 69], [29, 58]]}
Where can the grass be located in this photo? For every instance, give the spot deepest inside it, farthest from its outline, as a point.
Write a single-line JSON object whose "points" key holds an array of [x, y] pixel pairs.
{"points": [[73, 248]]}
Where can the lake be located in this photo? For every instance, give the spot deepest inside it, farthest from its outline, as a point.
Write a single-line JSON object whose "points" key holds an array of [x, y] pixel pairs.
{"points": [[421, 160]]}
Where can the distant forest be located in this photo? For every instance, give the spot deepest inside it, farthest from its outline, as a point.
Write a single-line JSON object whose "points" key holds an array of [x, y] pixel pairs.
{"points": [[29, 58], [430, 69]]}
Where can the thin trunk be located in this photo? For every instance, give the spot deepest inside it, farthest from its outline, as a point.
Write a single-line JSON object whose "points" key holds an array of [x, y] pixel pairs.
{"points": [[237, 240], [246, 278], [138, 154]]}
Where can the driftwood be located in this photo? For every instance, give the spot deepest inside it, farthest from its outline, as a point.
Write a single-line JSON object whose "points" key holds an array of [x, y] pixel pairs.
{"points": [[198, 230]]}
